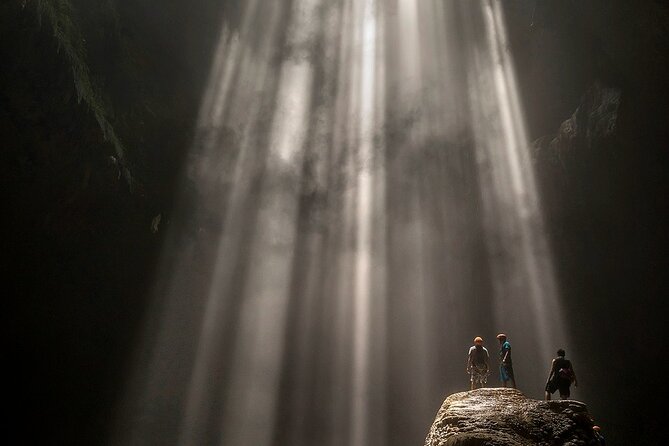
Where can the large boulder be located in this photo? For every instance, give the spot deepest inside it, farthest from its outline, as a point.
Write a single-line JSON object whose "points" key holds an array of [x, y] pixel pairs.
{"points": [[505, 417]]}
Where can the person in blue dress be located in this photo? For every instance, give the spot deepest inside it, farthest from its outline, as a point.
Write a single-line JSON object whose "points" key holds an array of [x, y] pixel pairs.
{"points": [[505, 363]]}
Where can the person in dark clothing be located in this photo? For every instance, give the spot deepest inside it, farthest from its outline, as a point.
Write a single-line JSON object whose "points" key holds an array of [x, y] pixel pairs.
{"points": [[598, 435], [478, 364], [561, 376], [505, 363]]}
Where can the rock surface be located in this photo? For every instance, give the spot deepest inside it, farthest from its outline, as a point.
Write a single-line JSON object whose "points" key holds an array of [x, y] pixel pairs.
{"points": [[505, 417], [594, 120]]}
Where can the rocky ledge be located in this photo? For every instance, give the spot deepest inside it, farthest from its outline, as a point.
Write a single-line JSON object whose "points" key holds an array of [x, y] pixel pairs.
{"points": [[505, 417]]}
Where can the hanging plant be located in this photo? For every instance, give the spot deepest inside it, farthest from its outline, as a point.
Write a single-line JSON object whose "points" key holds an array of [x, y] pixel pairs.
{"points": [[59, 15]]}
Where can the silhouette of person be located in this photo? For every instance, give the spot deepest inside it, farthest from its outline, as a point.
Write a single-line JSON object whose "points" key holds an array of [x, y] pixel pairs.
{"points": [[598, 435], [561, 376]]}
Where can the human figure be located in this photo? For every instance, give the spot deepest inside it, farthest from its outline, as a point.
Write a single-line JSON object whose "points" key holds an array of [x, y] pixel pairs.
{"points": [[478, 364], [505, 363], [598, 435], [561, 376]]}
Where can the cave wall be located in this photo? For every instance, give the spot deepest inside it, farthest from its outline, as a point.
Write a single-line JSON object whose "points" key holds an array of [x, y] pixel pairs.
{"points": [[593, 78], [78, 243]]}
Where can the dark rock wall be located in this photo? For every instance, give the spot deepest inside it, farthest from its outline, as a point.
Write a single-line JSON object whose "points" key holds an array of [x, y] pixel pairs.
{"points": [[77, 246], [593, 76]]}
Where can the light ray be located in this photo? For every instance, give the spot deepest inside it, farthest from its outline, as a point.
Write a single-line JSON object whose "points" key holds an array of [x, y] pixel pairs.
{"points": [[359, 204], [514, 221], [361, 412]]}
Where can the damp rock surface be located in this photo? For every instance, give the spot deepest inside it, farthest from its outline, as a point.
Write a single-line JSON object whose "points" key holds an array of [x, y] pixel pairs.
{"points": [[505, 417]]}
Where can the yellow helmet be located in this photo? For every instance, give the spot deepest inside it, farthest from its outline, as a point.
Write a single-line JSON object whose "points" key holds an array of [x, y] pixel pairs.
{"points": [[478, 340]]}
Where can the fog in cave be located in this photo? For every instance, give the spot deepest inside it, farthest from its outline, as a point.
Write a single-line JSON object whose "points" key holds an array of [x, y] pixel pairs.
{"points": [[283, 223]]}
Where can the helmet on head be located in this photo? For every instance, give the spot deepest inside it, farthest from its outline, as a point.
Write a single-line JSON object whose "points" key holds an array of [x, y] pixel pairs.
{"points": [[596, 428], [501, 336], [478, 340]]}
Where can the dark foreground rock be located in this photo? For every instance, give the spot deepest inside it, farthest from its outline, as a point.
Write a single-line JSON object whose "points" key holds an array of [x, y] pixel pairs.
{"points": [[505, 417]]}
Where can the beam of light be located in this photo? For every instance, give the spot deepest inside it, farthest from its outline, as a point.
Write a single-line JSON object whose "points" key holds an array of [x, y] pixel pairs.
{"points": [[258, 355], [523, 277], [358, 204], [410, 44], [256, 358], [361, 412], [255, 68]]}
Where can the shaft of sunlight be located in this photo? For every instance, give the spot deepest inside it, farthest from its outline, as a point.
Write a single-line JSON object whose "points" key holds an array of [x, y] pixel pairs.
{"points": [[514, 223], [358, 204], [363, 274]]}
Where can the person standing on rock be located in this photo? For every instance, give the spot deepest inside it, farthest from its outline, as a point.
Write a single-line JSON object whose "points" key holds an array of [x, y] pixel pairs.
{"points": [[478, 364], [505, 364], [561, 376], [598, 435]]}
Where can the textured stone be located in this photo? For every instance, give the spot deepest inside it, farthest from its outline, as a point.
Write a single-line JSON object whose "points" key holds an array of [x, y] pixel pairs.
{"points": [[505, 417], [594, 120]]}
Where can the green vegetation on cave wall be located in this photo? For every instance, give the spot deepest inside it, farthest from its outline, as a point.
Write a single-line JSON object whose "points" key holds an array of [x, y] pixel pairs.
{"points": [[96, 92], [59, 16]]}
